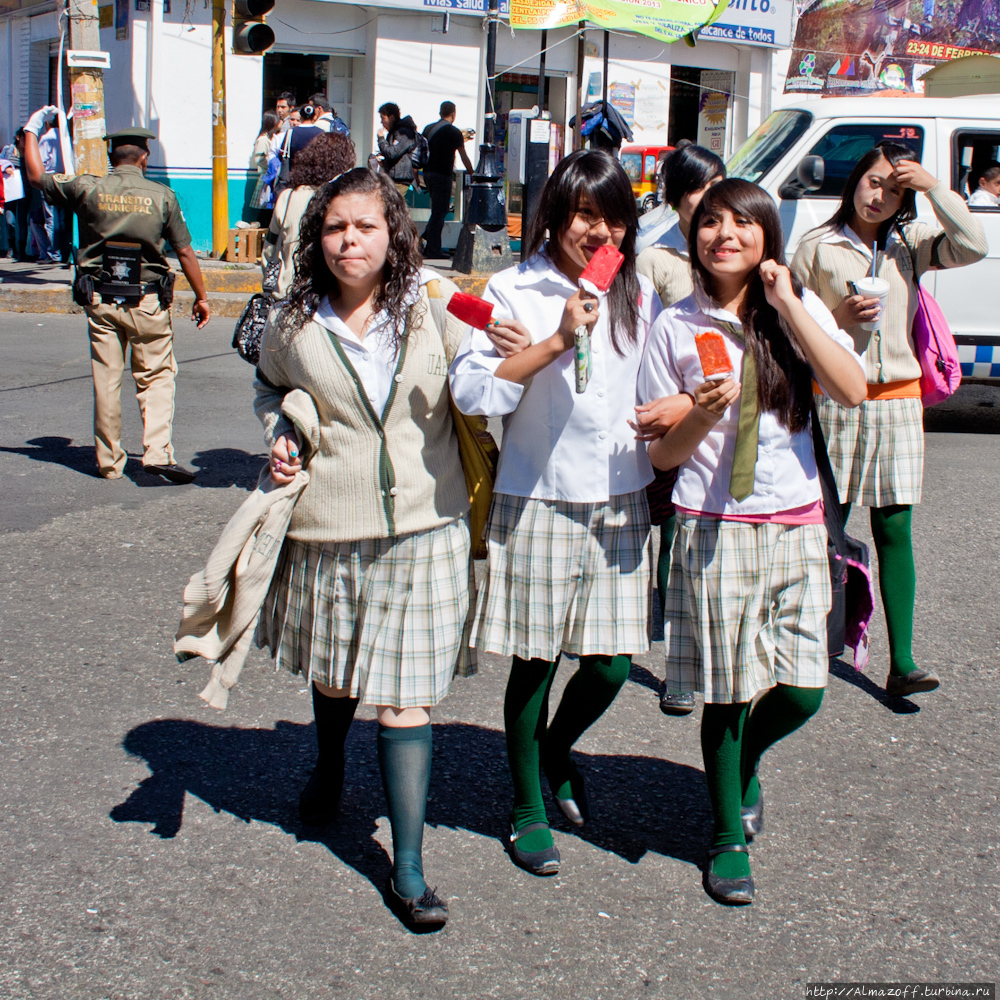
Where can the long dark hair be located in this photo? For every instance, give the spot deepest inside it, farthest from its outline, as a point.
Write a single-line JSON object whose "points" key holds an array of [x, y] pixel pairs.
{"points": [[599, 176], [893, 152], [784, 377], [689, 168], [313, 279], [268, 124]]}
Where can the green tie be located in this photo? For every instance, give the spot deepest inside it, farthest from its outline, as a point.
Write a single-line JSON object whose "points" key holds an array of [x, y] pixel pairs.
{"points": [[741, 479]]}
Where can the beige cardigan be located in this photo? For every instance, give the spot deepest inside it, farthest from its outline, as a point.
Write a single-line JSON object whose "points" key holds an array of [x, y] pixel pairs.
{"points": [[373, 475], [826, 260], [289, 208], [222, 601]]}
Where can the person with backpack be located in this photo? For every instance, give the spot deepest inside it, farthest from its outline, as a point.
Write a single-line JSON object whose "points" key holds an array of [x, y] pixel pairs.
{"points": [[877, 450], [397, 141], [441, 141]]}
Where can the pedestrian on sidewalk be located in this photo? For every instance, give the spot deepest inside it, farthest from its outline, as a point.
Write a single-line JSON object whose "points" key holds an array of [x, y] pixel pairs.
{"points": [[370, 598], [327, 157], [125, 284], [686, 174], [877, 450], [259, 197], [749, 591], [568, 538], [444, 141], [397, 139]]}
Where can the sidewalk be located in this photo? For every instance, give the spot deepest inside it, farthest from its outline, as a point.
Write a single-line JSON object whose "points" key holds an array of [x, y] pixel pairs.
{"points": [[45, 288]]}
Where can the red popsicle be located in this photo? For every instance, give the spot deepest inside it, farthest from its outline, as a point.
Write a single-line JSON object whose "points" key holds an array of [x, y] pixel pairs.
{"points": [[713, 354], [601, 270], [471, 309]]}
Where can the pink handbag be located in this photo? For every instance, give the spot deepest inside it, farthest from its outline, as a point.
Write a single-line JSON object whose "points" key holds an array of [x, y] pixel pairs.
{"points": [[933, 342], [940, 370]]}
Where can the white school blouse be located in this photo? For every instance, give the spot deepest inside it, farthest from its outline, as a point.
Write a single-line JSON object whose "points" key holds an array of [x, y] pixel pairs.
{"points": [[557, 445], [785, 475]]}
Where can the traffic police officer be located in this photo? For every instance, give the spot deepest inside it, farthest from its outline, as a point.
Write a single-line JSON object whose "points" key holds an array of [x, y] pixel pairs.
{"points": [[125, 284]]}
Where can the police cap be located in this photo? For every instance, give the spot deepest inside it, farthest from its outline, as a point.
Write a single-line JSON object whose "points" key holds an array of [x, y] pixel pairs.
{"points": [[130, 137]]}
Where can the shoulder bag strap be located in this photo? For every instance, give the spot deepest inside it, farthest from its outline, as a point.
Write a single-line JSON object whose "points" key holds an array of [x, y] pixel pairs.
{"points": [[834, 518]]}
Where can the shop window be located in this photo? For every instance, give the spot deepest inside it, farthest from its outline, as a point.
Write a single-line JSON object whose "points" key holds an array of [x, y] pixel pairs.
{"points": [[843, 146], [972, 153]]}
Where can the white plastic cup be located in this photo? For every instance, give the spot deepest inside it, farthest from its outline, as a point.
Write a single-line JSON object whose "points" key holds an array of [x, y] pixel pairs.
{"points": [[873, 288]]}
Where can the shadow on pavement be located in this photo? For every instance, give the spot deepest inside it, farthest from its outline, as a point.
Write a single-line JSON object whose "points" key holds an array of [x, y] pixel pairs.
{"points": [[59, 451], [640, 804], [218, 468], [898, 706]]}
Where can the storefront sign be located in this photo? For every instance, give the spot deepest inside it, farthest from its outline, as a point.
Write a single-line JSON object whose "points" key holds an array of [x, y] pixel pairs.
{"points": [[462, 6], [858, 46], [664, 19], [753, 22]]}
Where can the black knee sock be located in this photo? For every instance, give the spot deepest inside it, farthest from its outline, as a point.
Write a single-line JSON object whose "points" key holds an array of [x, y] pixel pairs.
{"points": [[776, 714], [721, 741], [404, 757], [525, 716], [585, 699], [333, 718]]}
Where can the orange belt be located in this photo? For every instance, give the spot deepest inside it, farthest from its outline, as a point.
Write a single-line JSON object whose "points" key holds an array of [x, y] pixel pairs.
{"points": [[905, 389]]}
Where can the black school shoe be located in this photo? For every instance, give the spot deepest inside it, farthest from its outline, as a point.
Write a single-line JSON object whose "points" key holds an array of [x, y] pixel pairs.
{"points": [[914, 682], [728, 891], [172, 473], [424, 912], [536, 862]]}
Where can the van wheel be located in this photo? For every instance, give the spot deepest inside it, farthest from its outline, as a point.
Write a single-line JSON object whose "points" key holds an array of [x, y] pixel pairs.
{"points": [[648, 204]]}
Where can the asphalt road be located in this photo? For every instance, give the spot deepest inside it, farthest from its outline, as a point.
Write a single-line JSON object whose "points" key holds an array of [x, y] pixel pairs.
{"points": [[150, 846]]}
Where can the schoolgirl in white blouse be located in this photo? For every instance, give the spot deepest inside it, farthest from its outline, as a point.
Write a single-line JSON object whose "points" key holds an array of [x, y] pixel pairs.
{"points": [[749, 589], [568, 539]]}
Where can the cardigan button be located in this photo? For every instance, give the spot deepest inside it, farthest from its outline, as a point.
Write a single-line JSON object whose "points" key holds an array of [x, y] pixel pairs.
{"points": [[393, 491], [399, 377]]}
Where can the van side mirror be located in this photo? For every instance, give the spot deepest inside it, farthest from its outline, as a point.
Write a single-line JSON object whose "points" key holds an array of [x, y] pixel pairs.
{"points": [[809, 176]]}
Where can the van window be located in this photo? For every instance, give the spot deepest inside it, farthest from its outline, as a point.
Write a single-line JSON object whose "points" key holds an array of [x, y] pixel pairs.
{"points": [[632, 164], [768, 144], [972, 154], [844, 145]]}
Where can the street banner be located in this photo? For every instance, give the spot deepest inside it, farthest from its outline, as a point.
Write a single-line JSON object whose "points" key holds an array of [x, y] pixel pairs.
{"points": [[845, 47], [664, 19]]}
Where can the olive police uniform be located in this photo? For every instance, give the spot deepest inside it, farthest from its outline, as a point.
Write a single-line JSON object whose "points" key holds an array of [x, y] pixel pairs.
{"points": [[126, 208]]}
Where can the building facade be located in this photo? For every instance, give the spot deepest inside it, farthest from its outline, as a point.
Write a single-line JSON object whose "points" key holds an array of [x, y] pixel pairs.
{"points": [[415, 53]]}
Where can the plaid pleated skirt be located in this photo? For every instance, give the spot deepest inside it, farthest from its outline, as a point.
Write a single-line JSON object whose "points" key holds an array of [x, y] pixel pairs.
{"points": [[876, 450], [566, 577], [386, 618], [746, 608]]}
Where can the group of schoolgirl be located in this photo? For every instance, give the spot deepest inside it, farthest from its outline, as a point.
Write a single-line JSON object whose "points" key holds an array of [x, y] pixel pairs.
{"points": [[370, 599]]}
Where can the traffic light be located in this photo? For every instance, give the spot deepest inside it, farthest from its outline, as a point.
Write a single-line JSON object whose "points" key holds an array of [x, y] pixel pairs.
{"points": [[251, 35]]}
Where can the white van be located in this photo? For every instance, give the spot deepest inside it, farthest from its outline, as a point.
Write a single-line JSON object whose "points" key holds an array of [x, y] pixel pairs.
{"points": [[803, 154]]}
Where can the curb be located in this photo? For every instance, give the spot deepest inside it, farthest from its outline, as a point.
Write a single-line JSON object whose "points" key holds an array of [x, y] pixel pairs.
{"points": [[56, 298]]}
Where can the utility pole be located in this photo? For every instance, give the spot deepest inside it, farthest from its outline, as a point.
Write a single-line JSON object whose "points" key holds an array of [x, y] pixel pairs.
{"points": [[483, 245], [87, 91], [220, 156]]}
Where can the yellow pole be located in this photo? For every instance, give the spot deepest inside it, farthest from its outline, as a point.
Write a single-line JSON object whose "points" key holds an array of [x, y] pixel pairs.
{"points": [[220, 163]]}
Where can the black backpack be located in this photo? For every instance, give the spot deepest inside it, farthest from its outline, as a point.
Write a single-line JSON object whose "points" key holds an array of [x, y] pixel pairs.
{"points": [[421, 152]]}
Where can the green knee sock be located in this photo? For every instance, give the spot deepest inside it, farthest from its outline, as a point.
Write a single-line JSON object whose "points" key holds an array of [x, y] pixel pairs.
{"points": [[404, 757], [897, 581], [525, 714], [721, 741], [585, 699], [663, 561], [776, 714]]}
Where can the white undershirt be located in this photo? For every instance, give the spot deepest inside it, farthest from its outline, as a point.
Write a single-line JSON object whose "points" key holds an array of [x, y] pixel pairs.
{"points": [[374, 358]]}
